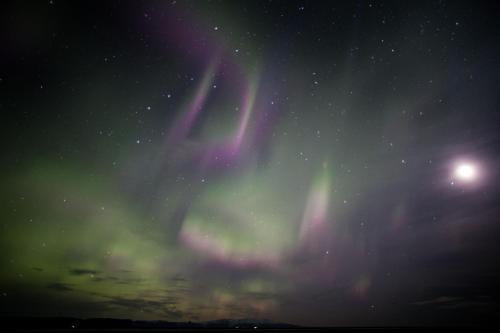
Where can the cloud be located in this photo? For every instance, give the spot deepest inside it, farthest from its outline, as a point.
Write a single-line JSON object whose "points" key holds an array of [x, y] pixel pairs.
{"points": [[117, 280], [130, 281], [178, 278], [105, 279], [438, 300], [445, 302], [165, 306], [60, 286], [83, 271]]}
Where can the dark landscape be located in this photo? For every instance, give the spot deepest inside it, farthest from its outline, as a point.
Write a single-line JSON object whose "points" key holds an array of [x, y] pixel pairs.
{"points": [[66, 323]]}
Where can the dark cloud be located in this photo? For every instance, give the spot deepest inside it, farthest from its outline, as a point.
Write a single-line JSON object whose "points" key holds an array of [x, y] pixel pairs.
{"points": [[130, 281], [117, 280], [165, 306], [439, 300], [60, 286], [179, 279], [105, 279], [83, 271]]}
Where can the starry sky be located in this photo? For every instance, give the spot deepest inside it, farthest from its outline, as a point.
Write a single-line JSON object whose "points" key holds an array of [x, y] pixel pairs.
{"points": [[316, 163]]}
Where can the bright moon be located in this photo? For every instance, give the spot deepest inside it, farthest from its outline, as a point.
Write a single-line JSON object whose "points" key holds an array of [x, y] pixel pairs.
{"points": [[466, 172]]}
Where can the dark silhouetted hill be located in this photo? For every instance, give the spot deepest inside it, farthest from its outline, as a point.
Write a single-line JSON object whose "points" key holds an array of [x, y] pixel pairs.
{"points": [[67, 323]]}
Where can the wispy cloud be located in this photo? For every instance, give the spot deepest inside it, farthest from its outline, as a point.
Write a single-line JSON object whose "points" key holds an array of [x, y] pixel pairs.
{"points": [[446, 302], [164, 306], [60, 286], [438, 300], [83, 271]]}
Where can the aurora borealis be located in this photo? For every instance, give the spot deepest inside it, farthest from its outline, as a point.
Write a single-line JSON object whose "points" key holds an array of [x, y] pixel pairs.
{"points": [[312, 162]]}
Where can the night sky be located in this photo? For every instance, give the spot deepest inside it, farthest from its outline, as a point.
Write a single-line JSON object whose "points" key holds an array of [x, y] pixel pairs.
{"points": [[316, 163]]}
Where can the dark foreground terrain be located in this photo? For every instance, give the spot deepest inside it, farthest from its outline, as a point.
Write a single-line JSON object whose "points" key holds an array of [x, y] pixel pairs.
{"points": [[67, 324], [106, 324]]}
